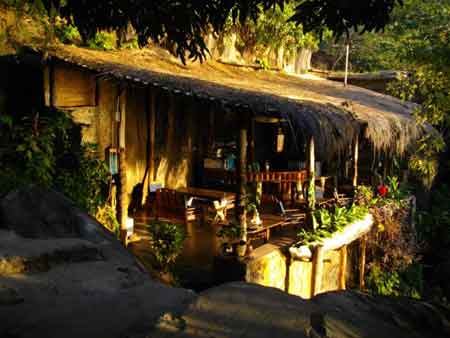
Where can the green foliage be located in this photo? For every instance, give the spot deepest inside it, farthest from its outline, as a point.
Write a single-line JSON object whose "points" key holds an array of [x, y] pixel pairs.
{"points": [[42, 149], [85, 183], [106, 215], [433, 225], [263, 63], [325, 223], [68, 34], [167, 242], [103, 40], [185, 23], [230, 233], [408, 282]]}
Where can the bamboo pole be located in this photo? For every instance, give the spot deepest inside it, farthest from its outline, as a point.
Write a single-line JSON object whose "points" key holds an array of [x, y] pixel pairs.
{"points": [[347, 52], [242, 184], [251, 148], [151, 120], [362, 261], [355, 162], [342, 267], [123, 193], [317, 270], [311, 194]]}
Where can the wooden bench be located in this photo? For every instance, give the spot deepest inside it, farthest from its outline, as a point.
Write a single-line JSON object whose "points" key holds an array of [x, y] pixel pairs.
{"points": [[171, 205]]}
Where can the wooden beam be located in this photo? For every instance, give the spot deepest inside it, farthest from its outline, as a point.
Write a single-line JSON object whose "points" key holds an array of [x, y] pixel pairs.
{"points": [[355, 162], [342, 267], [242, 183], [317, 270], [123, 191], [362, 261]]}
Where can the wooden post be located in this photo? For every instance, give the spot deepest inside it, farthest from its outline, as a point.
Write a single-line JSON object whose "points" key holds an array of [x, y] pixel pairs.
{"points": [[342, 267], [355, 162], [362, 261], [251, 148], [311, 194], [242, 183], [211, 128], [317, 270], [123, 192], [347, 52], [52, 83], [151, 120]]}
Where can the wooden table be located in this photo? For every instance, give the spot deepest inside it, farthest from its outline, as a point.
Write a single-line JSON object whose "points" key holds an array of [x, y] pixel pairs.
{"points": [[221, 200], [270, 222], [208, 194]]}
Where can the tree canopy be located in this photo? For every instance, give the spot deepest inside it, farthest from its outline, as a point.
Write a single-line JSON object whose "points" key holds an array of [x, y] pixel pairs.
{"points": [[185, 22]]}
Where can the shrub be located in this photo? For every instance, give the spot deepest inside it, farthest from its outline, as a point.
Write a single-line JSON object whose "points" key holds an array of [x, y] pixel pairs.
{"points": [[106, 215], [103, 40], [167, 241], [43, 149], [392, 246], [68, 34]]}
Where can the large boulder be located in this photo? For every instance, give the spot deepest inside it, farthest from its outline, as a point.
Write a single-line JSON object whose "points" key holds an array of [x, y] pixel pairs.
{"points": [[41, 213], [248, 310]]}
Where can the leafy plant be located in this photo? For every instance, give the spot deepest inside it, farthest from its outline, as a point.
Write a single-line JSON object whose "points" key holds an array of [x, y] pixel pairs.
{"points": [[325, 223], [263, 63], [103, 40], [407, 282], [230, 233], [68, 34], [43, 149], [106, 215], [167, 242]]}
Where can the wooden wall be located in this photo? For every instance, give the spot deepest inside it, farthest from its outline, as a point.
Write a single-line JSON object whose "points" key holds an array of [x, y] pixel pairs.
{"points": [[72, 86], [136, 136], [179, 123]]}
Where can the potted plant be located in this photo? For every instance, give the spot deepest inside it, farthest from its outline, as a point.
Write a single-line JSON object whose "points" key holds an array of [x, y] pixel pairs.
{"points": [[230, 235]]}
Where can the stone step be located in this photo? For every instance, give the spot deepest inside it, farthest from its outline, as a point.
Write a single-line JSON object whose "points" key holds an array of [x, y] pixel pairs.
{"points": [[25, 255]]}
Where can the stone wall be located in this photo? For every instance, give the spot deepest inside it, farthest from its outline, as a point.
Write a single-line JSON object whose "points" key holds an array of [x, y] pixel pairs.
{"points": [[267, 268]]}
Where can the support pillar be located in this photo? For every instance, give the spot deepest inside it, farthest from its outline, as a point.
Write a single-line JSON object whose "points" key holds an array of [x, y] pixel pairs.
{"points": [[151, 120], [342, 267], [355, 162], [311, 193], [123, 191], [362, 262], [317, 270], [242, 183]]}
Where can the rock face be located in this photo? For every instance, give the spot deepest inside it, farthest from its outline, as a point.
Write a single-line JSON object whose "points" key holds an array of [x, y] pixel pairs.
{"points": [[248, 310], [39, 213], [69, 278]]}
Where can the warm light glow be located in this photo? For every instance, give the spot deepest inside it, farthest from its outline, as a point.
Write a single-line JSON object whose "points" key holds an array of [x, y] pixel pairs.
{"points": [[174, 177]]}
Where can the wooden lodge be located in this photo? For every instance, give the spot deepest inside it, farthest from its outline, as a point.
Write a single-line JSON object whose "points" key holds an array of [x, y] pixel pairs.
{"points": [[168, 130]]}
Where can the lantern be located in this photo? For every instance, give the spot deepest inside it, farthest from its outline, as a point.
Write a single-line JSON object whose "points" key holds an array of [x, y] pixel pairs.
{"points": [[279, 141]]}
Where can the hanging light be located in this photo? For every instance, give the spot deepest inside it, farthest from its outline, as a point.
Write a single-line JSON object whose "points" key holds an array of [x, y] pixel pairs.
{"points": [[280, 141]]}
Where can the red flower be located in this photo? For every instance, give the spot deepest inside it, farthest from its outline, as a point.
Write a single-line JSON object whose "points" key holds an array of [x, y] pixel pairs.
{"points": [[382, 190]]}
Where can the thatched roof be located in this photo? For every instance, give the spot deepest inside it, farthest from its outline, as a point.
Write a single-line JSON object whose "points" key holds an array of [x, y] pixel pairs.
{"points": [[315, 106]]}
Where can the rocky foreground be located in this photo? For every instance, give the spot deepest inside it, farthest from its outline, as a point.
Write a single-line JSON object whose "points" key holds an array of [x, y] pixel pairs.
{"points": [[62, 275]]}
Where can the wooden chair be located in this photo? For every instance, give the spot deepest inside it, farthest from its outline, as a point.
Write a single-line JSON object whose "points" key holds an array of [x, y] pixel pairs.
{"points": [[172, 205]]}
